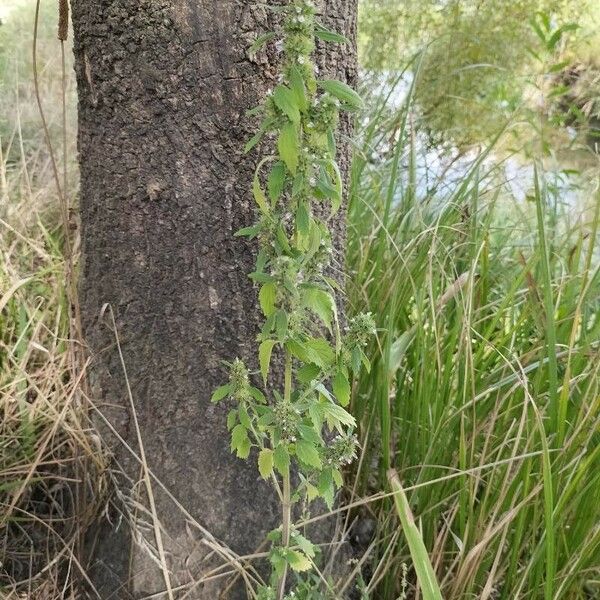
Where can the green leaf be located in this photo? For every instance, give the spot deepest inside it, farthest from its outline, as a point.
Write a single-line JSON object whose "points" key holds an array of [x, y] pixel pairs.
{"points": [[278, 561], [281, 460], [337, 477], [330, 36], [321, 303], [265, 463], [302, 219], [288, 146], [244, 417], [220, 393], [307, 373], [308, 454], [264, 127], [309, 434], [260, 42], [258, 395], [298, 561], [333, 413], [298, 89], [304, 544], [243, 450], [312, 492], [418, 551], [344, 93], [239, 440], [266, 419], [286, 101], [338, 185], [276, 181], [259, 195], [261, 277], [322, 349], [341, 388], [264, 357], [231, 419], [316, 414], [326, 489], [281, 324], [266, 297], [247, 231]]}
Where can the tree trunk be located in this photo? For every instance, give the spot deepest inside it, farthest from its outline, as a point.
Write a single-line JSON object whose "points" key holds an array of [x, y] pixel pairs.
{"points": [[164, 86]]}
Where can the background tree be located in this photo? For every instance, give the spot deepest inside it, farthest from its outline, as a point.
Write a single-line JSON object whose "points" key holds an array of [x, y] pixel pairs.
{"points": [[164, 86]]}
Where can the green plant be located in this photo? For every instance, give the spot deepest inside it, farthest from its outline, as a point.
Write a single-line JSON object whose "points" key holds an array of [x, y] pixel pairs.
{"points": [[302, 428], [484, 387]]}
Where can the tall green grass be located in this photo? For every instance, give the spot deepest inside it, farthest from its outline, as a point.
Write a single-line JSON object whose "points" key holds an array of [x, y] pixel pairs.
{"points": [[484, 387]]}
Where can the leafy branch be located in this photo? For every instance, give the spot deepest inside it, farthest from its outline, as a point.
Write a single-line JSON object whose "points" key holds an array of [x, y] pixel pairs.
{"points": [[303, 428]]}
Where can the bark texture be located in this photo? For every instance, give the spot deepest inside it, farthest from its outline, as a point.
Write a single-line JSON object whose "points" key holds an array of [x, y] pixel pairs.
{"points": [[163, 90]]}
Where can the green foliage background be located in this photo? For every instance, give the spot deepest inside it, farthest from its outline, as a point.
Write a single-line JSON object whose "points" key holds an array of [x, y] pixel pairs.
{"points": [[479, 56]]}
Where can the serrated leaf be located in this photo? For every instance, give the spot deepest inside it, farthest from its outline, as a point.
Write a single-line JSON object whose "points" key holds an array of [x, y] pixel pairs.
{"points": [[266, 297], [321, 303], [220, 393], [341, 388], [281, 324], [244, 417], [265, 463], [285, 99], [298, 561], [238, 437], [288, 147], [258, 395], [330, 36], [259, 195], [309, 434], [281, 460], [344, 93], [322, 349], [264, 357], [278, 560], [311, 492], [307, 373], [231, 419], [276, 181], [333, 412], [243, 450], [302, 219], [308, 454], [316, 415], [298, 89], [266, 419], [337, 477], [326, 489]]}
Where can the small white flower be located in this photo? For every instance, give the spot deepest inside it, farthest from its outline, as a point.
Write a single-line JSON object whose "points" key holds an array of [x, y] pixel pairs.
{"points": [[301, 19], [301, 60], [313, 181], [310, 125]]}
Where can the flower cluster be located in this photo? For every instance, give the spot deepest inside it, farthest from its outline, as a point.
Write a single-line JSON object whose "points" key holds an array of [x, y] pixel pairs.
{"points": [[341, 451], [239, 381]]}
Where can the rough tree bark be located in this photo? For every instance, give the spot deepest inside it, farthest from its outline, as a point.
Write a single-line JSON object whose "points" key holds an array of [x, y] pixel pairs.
{"points": [[163, 90]]}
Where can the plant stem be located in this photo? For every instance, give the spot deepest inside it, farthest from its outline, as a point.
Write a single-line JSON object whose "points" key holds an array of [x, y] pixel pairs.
{"points": [[286, 512], [286, 505]]}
